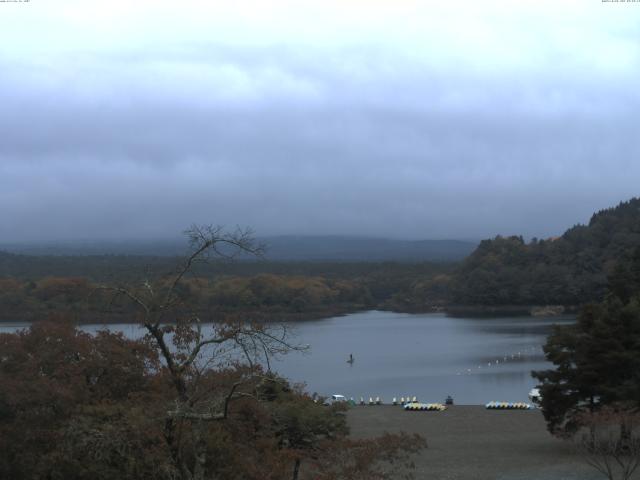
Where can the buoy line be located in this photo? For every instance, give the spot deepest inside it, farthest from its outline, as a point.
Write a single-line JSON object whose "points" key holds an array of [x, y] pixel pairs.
{"points": [[501, 361]]}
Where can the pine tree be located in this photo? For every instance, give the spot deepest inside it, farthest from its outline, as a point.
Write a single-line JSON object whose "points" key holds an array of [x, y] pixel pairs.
{"points": [[597, 360]]}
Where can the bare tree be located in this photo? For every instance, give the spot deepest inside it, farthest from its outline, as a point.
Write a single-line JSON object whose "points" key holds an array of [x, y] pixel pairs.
{"points": [[610, 441], [190, 349]]}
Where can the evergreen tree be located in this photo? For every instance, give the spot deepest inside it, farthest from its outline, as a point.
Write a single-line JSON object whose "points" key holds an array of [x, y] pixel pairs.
{"points": [[598, 359]]}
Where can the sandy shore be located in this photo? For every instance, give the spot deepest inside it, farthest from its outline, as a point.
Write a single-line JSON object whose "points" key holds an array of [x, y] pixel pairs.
{"points": [[472, 443]]}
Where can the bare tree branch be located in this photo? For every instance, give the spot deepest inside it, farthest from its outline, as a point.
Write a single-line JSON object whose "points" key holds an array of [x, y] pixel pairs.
{"points": [[182, 342]]}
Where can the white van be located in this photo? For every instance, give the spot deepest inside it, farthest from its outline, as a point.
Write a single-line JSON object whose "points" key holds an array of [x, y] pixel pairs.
{"points": [[335, 398]]}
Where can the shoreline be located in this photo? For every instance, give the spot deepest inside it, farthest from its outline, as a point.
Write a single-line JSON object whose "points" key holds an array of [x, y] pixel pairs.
{"points": [[460, 311], [106, 318]]}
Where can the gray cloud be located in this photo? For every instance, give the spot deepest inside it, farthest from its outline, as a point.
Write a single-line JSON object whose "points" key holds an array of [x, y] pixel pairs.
{"points": [[361, 138]]}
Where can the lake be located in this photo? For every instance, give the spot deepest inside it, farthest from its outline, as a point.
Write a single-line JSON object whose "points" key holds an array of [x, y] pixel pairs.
{"points": [[430, 356]]}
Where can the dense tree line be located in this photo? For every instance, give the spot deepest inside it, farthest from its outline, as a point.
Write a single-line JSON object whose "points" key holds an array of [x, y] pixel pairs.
{"points": [[104, 268], [263, 295], [568, 270], [33, 287], [506, 271]]}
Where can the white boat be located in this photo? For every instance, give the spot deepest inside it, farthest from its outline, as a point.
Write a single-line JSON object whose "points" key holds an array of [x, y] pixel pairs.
{"points": [[534, 395]]}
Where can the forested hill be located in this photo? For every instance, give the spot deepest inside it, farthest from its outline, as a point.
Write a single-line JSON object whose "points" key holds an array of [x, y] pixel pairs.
{"points": [[569, 270]]}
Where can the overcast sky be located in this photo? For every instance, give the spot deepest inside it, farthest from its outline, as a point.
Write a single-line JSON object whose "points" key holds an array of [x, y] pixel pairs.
{"points": [[387, 118]]}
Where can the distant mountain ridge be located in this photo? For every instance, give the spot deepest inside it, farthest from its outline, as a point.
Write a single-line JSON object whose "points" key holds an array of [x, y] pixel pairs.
{"points": [[278, 248], [325, 248]]}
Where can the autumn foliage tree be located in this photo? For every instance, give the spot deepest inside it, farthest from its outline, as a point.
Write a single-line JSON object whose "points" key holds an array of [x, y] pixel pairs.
{"points": [[80, 406], [56, 379], [188, 401]]}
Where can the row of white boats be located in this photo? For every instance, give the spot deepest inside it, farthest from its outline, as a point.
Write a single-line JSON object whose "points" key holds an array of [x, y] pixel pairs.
{"points": [[412, 403]]}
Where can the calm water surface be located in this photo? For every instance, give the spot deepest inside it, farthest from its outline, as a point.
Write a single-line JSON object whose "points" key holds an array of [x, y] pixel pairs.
{"points": [[429, 355]]}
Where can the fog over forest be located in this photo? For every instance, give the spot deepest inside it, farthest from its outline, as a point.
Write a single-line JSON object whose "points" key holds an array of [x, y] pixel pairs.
{"points": [[389, 119]]}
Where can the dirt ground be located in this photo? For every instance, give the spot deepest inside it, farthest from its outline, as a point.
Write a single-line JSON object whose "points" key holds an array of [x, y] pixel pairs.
{"points": [[472, 443]]}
